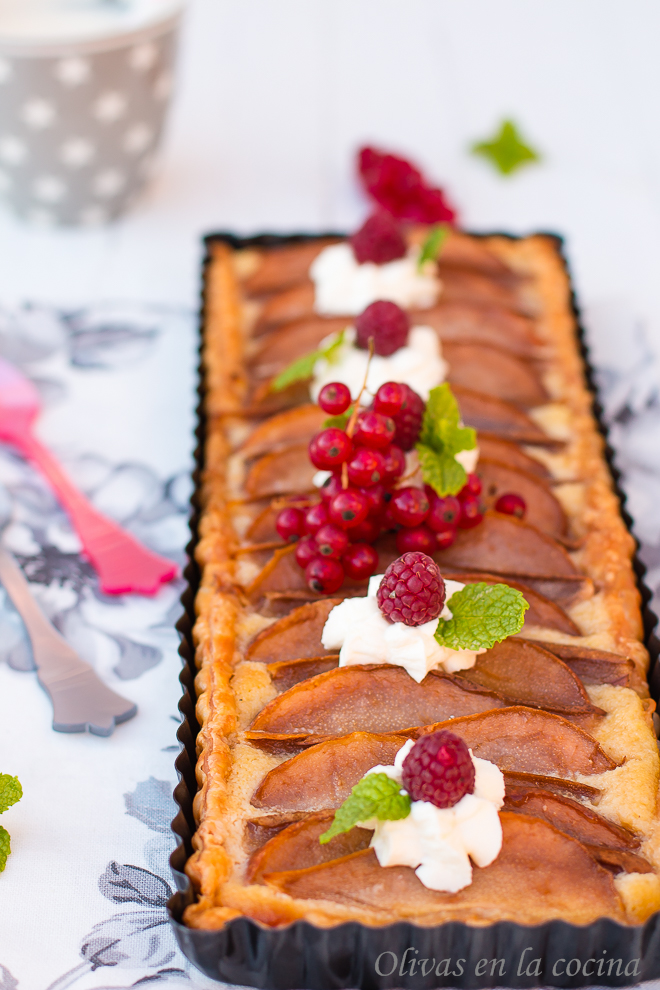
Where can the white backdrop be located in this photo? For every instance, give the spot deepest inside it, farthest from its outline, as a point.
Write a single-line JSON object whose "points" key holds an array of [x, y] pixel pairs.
{"points": [[273, 100]]}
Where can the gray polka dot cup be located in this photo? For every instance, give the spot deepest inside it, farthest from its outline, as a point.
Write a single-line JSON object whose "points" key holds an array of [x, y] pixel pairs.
{"points": [[81, 122]]}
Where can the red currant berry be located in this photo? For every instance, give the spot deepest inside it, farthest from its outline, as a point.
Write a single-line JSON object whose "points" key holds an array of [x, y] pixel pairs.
{"points": [[366, 467], [324, 575], [375, 496], [471, 512], [331, 540], [444, 511], [373, 430], [511, 504], [306, 550], [389, 398], [384, 322], [367, 531], [395, 463], [408, 421], [335, 398], [315, 517], [360, 561], [349, 508], [290, 524], [330, 487], [445, 536], [420, 538], [378, 240], [439, 769], [471, 487], [409, 506], [330, 448]]}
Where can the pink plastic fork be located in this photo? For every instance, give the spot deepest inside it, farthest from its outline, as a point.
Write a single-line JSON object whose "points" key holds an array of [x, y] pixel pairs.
{"points": [[121, 562]]}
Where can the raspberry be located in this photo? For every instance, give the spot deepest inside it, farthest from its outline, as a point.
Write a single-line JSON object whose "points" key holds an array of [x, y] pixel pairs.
{"points": [[379, 240], [439, 769], [401, 189], [412, 590], [387, 323], [408, 421]]}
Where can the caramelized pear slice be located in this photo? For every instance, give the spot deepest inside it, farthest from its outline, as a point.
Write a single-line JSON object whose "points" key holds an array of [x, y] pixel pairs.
{"points": [[592, 666], [283, 346], [539, 874], [509, 453], [264, 402], [541, 612], [287, 471], [297, 847], [494, 372], [618, 860], [529, 675], [323, 776], [372, 698], [296, 303], [281, 267], [529, 740], [260, 830], [543, 510], [570, 817], [286, 429], [569, 788], [462, 323], [463, 286], [506, 545], [296, 635], [464, 251], [498, 418], [289, 672]]}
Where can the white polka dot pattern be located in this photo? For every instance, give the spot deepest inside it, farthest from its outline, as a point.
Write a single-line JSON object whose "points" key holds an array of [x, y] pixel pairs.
{"points": [[79, 130]]}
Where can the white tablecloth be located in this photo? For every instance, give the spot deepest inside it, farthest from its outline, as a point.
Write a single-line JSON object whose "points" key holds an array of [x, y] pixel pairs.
{"points": [[273, 100]]}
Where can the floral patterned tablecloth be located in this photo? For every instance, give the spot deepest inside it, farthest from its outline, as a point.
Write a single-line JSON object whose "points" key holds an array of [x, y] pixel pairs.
{"points": [[82, 900]]}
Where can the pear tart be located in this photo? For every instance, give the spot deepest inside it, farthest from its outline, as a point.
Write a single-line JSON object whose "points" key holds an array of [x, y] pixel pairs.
{"points": [[562, 709]]}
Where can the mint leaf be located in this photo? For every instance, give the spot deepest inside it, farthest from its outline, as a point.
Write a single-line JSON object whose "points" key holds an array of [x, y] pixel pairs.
{"points": [[10, 791], [442, 436], [506, 150], [433, 244], [441, 470], [375, 796], [483, 614], [303, 368], [5, 847]]}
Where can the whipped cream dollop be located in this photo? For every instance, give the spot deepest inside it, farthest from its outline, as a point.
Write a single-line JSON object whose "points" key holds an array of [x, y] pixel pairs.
{"points": [[419, 364], [343, 286], [359, 630], [438, 843]]}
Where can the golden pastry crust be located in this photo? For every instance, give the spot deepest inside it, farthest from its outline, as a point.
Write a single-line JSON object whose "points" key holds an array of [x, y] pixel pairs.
{"points": [[231, 691]]}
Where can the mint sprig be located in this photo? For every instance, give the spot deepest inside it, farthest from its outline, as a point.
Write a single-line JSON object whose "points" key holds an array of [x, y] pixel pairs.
{"points": [[303, 368], [507, 150], [10, 792], [375, 796], [433, 244], [440, 439], [482, 615]]}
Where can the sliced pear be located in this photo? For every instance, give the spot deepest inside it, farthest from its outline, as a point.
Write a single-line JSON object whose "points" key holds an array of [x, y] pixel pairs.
{"points": [[283, 266], [495, 372], [297, 634], [286, 429], [297, 847], [498, 418], [464, 323], [557, 785], [322, 777], [509, 453], [539, 874], [287, 471], [284, 345], [543, 510], [528, 675], [371, 698], [289, 672], [463, 251], [505, 545], [296, 303], [463, 286], [570, 817], [529, 740], [541, 612], [592, 666]]}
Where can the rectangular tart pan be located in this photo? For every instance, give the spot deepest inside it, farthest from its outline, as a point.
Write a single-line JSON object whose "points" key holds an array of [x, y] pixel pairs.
{"points": [[301, 956]]}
